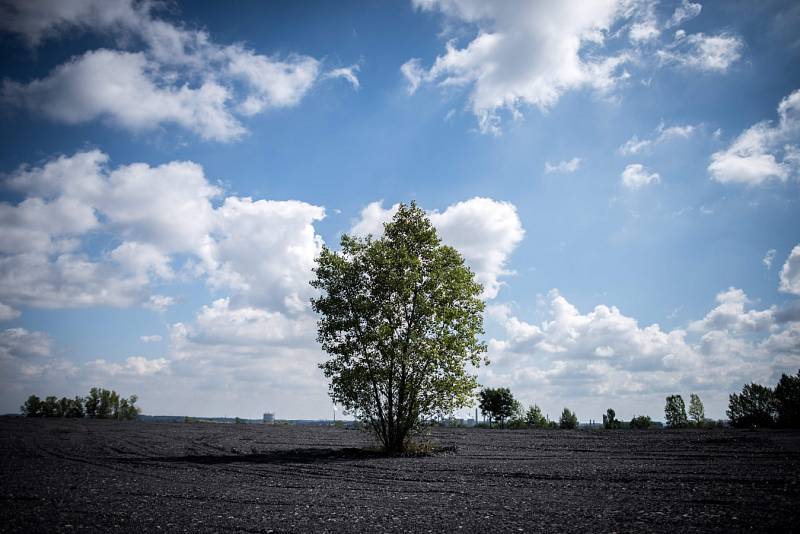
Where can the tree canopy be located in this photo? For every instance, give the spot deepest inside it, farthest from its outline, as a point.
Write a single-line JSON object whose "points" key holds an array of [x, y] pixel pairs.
{"points": [[675, 412], [400, 317], [497, 403]]}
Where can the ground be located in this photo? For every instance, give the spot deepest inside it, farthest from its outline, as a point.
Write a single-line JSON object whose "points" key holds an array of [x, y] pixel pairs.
{"points": [[69, 475]]}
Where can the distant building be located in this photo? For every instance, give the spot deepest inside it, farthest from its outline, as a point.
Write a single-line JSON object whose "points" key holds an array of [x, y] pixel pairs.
{"points": [[269, 418]]}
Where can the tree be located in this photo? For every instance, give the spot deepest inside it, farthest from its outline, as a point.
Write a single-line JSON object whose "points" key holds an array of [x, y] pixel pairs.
{"points": [[696, 410], [755, 406], [32, 407], [787, 397], [675, 412], [400, 317], [50, 406], [610, 419], [534, 417], [641, 422], [497, 403], [92, 402], [568, 419]]}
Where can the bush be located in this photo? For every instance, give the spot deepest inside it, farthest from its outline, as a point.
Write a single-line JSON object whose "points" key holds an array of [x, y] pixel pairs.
{"points": [[640, 422], [755, 406], [568, 419]]}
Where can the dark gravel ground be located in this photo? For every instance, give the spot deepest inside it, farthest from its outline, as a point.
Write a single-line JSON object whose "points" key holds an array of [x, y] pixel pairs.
{"points": [[69, 475]]}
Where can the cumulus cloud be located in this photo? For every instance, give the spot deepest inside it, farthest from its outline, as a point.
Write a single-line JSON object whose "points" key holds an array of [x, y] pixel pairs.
{"points": [[136, 366], [605, 353], [8, 313], [484, 230], [663, 133], [765, 151], [23, 344], [523, 54], [563, 167], [790, 273], [705, 53], [178, 77], [155, 338], [260, 251], [636, 176]]}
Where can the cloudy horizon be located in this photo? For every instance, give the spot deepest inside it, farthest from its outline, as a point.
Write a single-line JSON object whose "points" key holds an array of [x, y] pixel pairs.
{"points": [[622, 179]]}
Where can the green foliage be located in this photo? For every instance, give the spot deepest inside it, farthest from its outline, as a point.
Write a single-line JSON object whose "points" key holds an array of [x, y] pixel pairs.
{"points": [[755, 406], [787, 397], [534, 417], [32, 407], [640, 422], [675, 412], [610, 420], [696, 410], [568, 419], [400, 318], [497, 403]]}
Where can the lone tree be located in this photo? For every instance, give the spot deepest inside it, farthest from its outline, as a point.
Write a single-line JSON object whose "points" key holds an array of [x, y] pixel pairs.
{"points": [[498, 403], [400, 317], [568, 419], [675, 411], [534, 417], [696, 410], [610, 420]]}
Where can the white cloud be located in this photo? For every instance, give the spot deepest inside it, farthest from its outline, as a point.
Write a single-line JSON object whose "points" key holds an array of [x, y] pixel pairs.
{"points": [[261, 251], [155, 338], [790, 273], [523, 54], [663, 133], [159, 303], [768, 258], [137, 366], [765, 151], [179, 77], [23, 344], [706, 53], [126, 89], [483, 230], [636, 176], [685, 12], [604, 354], [563, 166], [8, 313], [346, 73]]}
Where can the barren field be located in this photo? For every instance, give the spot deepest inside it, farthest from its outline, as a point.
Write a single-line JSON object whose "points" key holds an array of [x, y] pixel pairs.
{"points": [[68, 475]]}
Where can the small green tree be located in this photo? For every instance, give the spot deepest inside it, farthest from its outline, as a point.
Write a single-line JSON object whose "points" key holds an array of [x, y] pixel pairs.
{"points": [[696, 410], [92, 402], [32, 407], [610, 420], [75, 408], [787, 397], [675, 412], [534, 417], [400, 318], [497, 403], [568, 419], [640, 422], [755, 406], [50, 406]]}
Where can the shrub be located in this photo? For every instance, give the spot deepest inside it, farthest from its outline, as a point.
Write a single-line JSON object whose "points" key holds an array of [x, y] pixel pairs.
{"points": [[640, 422]]}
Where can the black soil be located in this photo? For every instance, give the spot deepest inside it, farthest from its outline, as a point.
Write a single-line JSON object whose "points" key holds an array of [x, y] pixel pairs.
{"points": [[70, 475]]}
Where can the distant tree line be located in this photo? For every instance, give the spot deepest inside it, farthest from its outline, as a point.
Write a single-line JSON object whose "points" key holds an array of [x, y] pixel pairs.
{"points": [[99, 404], [503, 410], [762, 406]]}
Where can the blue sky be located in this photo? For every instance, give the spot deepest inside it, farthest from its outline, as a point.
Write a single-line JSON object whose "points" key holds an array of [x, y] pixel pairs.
{"points": [[623, 179]]}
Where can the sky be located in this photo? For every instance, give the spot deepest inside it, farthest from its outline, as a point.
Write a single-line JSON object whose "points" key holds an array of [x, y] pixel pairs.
{"points": [[621, 176]]}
